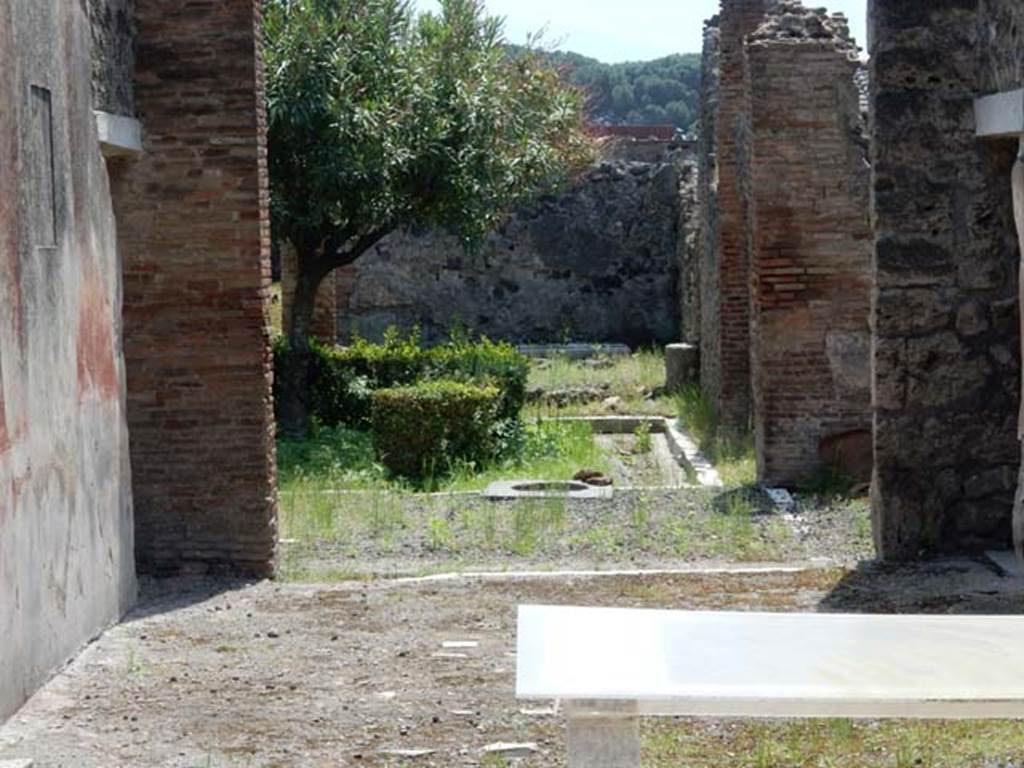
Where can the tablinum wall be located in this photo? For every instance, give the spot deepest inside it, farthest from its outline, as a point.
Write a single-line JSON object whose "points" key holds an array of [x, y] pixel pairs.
{"points": [[66, 560], [946, 341]]}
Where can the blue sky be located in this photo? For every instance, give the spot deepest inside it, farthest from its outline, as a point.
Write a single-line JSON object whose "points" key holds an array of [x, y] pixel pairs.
{"points": [[627, 30]]}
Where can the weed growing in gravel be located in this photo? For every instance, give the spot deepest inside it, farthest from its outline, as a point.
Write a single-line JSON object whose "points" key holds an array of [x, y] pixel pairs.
{"points": [[642, 438], [439, 534], [861, 512], [494, 761], [640, 522], [533, 521], [479, 527], [602, 542]]}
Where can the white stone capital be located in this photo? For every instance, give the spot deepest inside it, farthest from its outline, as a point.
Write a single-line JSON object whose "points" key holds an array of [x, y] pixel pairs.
{"points": [[119, 136]]}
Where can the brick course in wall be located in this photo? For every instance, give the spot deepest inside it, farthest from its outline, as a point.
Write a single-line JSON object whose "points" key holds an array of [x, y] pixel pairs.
{"points": [[192, 215], [946, 345], [811, 254]]}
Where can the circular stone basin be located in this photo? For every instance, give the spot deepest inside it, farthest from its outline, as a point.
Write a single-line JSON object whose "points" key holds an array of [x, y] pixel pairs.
{"points": [[550, 487], [534, 489]]}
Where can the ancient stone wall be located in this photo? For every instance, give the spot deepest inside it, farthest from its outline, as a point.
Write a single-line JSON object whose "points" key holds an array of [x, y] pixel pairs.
{"points": [[598, 262], [945, 317], [113, 55], [687, 244], [708, 276], [192, 215], [725, 342], [810, 260], [66, 560]]}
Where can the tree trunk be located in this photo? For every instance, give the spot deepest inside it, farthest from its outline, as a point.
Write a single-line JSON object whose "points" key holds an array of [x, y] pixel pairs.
{"points": [[293, 388], [312, 266]]}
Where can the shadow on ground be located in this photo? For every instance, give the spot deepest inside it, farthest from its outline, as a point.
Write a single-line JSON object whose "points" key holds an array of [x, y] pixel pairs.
{"points": [[961, 585]]}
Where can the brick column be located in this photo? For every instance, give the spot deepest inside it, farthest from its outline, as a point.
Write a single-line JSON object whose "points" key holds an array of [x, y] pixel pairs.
{"points": [[194, 230], [811, 258]]}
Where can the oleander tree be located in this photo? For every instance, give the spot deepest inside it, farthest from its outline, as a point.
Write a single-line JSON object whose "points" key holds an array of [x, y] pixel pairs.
{"points": [[380, 119]]}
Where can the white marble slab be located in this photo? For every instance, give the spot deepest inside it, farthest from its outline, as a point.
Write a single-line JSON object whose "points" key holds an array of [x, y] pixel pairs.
{"points": [[118, 135], [771, 665], [1000, 114]]}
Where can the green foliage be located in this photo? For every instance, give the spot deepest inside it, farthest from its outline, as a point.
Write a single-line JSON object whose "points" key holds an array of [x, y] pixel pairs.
{"points": [[664, 91], [379, 119], [499, 363], [698, 415], [642, 436], [423, 429], [342, 379], [341, 456], [733, 455], [829, 481]]}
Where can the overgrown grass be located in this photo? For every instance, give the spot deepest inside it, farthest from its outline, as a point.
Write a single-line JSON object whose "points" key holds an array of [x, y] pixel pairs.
{"points": [[552, 451], [832, 744], [632, 378], [341, 511], [332, 536], [340, 459], [733, 456]]}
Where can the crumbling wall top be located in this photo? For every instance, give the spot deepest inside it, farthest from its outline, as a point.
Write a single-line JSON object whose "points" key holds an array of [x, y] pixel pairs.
{"points": [[788, 21]]}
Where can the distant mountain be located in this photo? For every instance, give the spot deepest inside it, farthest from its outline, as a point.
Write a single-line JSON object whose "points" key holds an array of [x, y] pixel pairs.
{"points": [[658, 92]]}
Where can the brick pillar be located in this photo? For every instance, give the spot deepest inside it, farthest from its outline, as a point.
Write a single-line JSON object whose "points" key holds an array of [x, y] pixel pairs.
{"points": [[725, 352], [811, 257], [325, 314], [195, 235]]}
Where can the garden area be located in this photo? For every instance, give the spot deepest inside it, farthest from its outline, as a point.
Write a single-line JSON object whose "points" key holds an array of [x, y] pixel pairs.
{"points": [[405, 442]]}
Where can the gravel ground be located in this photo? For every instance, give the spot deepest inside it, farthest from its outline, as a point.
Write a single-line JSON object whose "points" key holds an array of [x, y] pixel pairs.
{"points": [[209, 675]]}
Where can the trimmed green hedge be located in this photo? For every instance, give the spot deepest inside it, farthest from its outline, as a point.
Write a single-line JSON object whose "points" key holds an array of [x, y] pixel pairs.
{"points": [[343, 379], [421, 429]]}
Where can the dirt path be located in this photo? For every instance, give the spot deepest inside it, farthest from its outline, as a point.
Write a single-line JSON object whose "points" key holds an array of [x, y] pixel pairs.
{"points": [[289, 675]]}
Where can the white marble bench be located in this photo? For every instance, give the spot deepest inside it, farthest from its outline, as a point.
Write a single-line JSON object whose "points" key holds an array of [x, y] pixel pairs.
{"points": [[610, 666]]}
